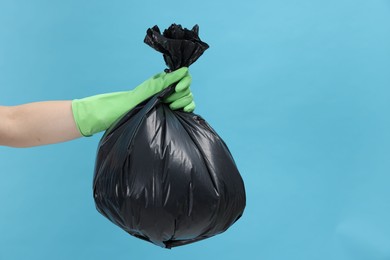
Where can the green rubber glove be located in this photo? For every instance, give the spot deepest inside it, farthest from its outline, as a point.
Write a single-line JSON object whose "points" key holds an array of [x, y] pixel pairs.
{"points": [[97, 113]]}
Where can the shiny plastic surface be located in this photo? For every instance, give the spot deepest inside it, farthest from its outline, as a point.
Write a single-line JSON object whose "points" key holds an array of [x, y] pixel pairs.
{"points": [[180, 47], [166, 176]]}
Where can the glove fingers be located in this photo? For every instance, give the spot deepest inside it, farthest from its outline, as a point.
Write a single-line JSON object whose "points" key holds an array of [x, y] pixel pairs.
{"points": [[177, 95], [159, 75], [184, 83], [182, 102], [190, 108], [174, 76]]}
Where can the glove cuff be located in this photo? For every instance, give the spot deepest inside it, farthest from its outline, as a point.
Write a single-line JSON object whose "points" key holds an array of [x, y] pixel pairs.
{"points": [[97, 113]]}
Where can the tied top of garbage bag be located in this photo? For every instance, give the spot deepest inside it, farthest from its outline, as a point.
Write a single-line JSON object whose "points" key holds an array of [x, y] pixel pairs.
{"points": [[181, 47], [165, 176]]}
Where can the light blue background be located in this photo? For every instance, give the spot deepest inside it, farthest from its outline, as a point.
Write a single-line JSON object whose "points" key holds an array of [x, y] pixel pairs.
{"points": [[299, 90]]}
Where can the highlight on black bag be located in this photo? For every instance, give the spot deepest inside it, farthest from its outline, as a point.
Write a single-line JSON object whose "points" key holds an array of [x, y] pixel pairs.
{"points": [[166, 176]]}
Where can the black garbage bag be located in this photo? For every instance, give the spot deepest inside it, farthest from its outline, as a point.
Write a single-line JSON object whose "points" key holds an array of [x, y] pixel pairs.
{"points": [[166, 176]]}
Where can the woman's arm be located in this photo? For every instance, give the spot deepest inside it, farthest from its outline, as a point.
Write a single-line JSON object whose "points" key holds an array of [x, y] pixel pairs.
{"points": [[51, 122], [37, 124]]}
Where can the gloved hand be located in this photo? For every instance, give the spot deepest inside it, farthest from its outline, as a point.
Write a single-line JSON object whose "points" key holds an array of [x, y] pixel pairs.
{"points": [[97, 113]]}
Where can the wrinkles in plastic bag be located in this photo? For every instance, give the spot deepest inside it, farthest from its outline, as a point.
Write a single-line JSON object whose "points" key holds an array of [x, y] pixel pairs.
{"points": [[166, 176], [180, 47]]}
